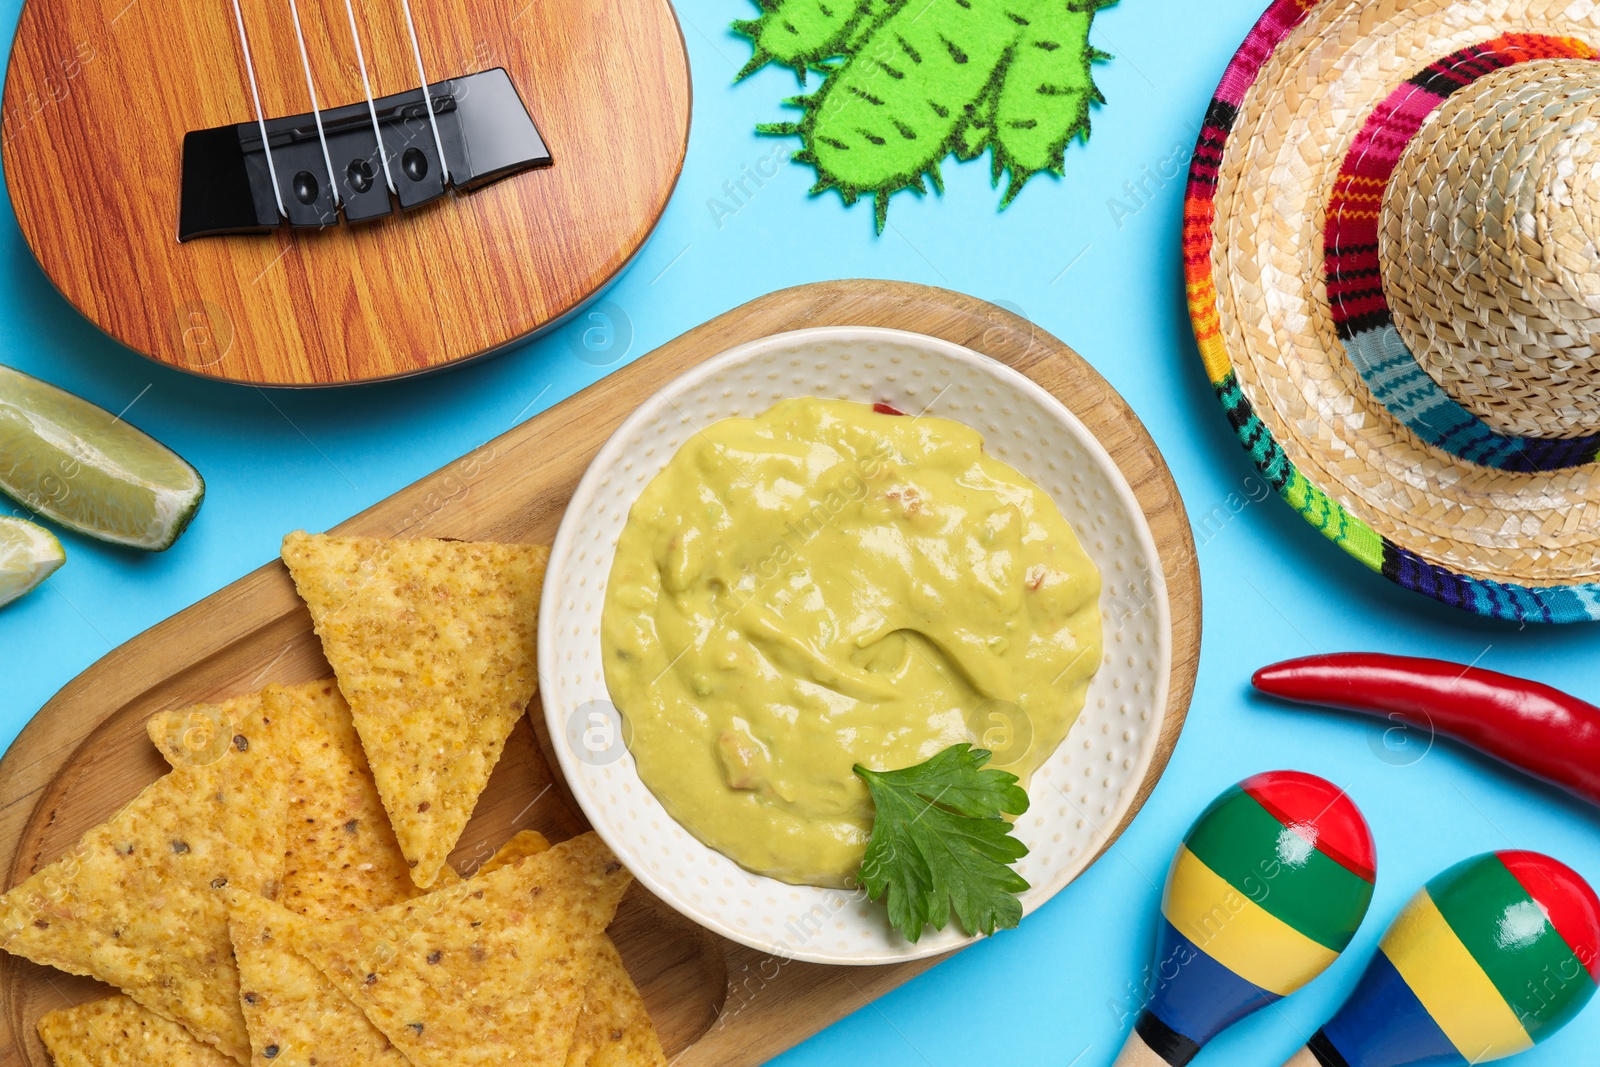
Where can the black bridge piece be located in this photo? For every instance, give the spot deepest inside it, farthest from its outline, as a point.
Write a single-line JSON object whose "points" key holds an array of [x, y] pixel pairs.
{"points": [[483, 126]]}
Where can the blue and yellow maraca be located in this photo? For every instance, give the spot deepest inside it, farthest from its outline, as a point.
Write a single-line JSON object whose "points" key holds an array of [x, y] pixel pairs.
{"points": [[1489, 958], [1267, 889]]}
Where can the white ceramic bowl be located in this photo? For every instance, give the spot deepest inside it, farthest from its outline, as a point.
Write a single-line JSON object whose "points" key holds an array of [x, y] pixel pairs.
{"points": [[1078, 796]]}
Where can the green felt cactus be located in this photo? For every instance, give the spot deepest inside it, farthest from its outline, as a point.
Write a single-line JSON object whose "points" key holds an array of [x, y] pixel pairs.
{"points": [[1043, 102], [910, 82], [874, 12], [974, 135], [801, 34]]}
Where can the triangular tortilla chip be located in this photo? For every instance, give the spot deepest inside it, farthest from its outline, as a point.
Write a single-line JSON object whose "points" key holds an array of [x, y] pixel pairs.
{"points": [[295, 1015], [200, 734], [433, 646], [297, 1018], [340, 855], [291, 1008], [486, 973], [182, 734], [522, 845], [341, 858], [138, 901], [323, 701], [614, 1029], [117, 1032]]}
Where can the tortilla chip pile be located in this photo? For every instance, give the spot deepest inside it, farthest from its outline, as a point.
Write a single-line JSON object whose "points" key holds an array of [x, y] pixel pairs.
{"points": [[432, 642], [116, 1032], [281, 895]]}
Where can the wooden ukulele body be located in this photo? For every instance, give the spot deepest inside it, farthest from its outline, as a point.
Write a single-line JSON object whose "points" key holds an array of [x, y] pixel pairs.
{"points": [[100, 93]]}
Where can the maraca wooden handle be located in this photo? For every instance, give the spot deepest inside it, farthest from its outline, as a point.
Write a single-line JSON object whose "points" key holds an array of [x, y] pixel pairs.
{"points": [[1304, 1058], [1138, 1054]]}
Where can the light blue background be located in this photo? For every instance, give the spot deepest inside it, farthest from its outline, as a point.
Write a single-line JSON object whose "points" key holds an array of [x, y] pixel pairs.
{"points": [[1063, 988]]}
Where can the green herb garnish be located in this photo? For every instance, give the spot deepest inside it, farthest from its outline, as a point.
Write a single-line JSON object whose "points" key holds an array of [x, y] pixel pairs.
{"points": [[939, 843]]}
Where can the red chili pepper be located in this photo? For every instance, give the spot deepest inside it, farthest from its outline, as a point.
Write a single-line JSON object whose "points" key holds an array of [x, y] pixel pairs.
{"points": [[1539, 730], [886, 409]]}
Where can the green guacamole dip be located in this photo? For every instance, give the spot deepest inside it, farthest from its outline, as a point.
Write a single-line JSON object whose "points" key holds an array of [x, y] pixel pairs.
{"points": [[825, 585]]}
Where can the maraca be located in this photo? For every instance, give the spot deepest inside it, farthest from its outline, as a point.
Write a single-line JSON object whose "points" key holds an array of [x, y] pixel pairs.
{"points": [[1492, 956], [1267, 889]]}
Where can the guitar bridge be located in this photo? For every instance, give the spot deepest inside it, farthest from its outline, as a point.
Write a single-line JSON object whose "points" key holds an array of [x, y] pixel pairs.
{"points": [[228, 172]]}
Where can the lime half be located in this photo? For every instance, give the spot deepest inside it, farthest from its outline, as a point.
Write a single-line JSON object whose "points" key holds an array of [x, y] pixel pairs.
{"points": [[28, 555], [80, 465]]}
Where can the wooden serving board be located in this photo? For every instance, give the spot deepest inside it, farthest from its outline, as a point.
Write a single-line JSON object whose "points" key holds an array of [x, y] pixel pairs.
{"points": [[715, 1003]]}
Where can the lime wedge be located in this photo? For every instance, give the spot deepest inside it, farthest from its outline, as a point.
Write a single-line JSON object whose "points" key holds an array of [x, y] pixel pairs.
{"points": [[28, 555], [65, 459]]}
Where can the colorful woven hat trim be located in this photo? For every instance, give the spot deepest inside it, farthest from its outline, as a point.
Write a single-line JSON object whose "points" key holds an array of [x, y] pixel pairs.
{"points": [[1355, 282], [1505, 600]]}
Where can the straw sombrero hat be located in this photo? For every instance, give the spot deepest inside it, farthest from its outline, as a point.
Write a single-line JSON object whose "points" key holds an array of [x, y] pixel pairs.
{"points": [[1392, 254]]}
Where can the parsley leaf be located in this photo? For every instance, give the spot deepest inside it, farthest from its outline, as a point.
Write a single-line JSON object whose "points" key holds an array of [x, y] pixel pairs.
{"points": [[939, 844]]}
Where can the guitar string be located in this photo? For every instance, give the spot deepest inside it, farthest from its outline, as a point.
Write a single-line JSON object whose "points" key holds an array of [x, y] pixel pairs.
{"points": [[255, 94], [372, 108], [427, 97], [316, 111]]}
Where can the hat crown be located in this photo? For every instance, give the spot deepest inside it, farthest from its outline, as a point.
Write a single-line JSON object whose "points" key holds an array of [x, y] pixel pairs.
{"points": [[1490, 247]]}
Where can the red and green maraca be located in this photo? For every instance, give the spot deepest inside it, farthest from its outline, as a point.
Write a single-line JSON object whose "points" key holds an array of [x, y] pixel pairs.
{"points": [[1489, 958], [1267, 889]]}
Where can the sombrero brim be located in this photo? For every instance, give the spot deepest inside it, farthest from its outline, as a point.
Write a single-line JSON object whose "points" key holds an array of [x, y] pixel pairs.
{"points": [[1500, 526]]}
